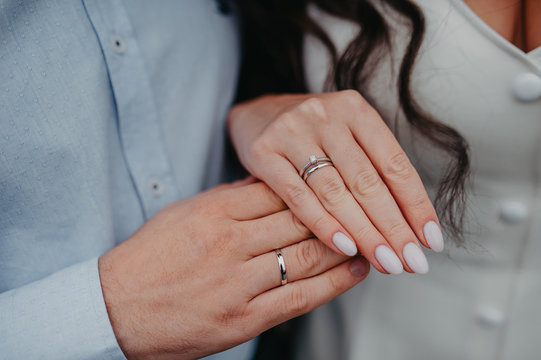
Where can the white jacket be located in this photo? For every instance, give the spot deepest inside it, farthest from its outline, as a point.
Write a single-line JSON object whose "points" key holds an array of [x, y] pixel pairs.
{"points": [[479, 303]]}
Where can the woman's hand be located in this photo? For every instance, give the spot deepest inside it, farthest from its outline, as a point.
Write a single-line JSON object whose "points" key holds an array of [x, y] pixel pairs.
{"points": [[371, 199], [202, 275]]}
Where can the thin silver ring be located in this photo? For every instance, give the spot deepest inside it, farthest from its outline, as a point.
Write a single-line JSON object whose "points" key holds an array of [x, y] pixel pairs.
{"points": [[314, 160], [316, 167], [282, 266]]}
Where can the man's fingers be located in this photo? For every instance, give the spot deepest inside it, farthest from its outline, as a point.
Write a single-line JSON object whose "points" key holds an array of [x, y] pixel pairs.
{"points": [[252, 201], [303, 260], [274, 231], [299, 297]]}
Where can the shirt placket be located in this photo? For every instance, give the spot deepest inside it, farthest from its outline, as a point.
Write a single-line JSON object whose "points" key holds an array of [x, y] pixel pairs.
{"points": [[139, 128]]}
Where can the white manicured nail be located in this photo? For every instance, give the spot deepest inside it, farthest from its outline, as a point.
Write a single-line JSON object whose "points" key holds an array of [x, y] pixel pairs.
{"points": [[344, 244], [415, 258], [388, 259], [433, 236]]}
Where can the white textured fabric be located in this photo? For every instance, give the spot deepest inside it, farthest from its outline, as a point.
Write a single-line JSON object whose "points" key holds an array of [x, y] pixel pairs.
{"points": [[483, 302]]}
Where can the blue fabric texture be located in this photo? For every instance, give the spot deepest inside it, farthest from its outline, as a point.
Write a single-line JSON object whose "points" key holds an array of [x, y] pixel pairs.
{"points": [[109, 110]]}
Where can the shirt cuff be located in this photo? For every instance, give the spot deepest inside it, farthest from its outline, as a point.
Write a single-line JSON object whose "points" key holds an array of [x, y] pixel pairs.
{"points": [[60, 317]]}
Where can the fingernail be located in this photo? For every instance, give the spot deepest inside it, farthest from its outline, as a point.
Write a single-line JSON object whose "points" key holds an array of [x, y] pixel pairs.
{"points": [[388, 259], [415, 258], [359, 267], [433, 236], [344, 244]]}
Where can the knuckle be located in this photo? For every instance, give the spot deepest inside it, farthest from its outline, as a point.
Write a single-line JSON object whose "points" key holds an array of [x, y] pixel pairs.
{"points": [[396, 230], [298, 300], [287, 123], [336, 284], [419, 203], [354, 100], [332, 191], [363, 233], [295, 195], [366, 183], [315, 107], [261, 147], [398, 167], [321, 223], [231, 316], [309, 256], [352, 97]]}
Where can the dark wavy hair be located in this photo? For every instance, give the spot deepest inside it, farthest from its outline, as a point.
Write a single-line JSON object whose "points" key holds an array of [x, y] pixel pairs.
{"points": [[273, 32]]}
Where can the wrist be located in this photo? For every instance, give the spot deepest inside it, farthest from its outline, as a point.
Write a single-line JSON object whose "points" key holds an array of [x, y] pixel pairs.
{"points": [[119, 305]]}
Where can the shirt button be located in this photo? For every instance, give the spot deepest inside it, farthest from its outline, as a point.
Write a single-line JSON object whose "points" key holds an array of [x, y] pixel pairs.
{"points": [[490, 317], [118, 44], [513, 212], [526, 87], [155, 186]]}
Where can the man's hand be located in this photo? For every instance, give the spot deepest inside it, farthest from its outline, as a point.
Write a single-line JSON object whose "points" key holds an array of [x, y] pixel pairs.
{"points": [[202, 276]]}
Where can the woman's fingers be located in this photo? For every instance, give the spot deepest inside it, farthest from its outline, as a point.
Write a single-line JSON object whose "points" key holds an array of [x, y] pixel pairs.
{"points": [[303, 259], [298, 196], [371, 192], [328, 185], [356, 185], [299, 297], [372, 199], [399, 175], [284, 228], [337, 199]]}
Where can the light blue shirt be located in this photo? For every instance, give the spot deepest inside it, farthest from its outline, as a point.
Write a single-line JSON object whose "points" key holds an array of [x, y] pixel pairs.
{"points": [[109, 110]]}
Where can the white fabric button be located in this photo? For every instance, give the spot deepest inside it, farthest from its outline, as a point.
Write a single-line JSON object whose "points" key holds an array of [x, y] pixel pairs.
{"points": [[513, 212], [155, 187], [118, 44], [490, 316], [527, 87]]}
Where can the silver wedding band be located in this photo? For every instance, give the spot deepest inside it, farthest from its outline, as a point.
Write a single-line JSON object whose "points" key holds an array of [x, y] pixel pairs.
{"points": [[314, 163], [282, 266]]}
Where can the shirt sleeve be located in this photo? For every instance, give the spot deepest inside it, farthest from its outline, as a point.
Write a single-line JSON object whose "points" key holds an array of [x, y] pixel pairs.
{"points": [[62, 316]]}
